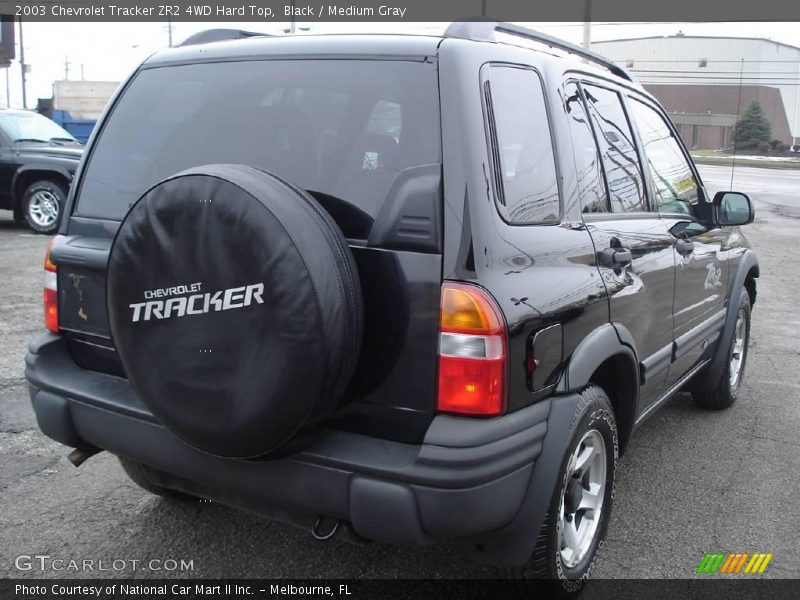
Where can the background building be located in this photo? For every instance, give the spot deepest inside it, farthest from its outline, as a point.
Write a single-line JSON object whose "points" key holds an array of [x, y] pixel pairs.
{"points": [[76, 105], [705, 82], [82, 99]]}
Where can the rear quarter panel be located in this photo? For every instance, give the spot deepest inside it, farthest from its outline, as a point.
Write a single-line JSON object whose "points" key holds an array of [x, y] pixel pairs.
{"points": [[539, 275]]}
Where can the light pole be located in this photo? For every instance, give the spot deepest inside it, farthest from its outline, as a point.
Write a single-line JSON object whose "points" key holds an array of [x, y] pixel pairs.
{"points": [[22, 66], [794, 124], [587, 25]]}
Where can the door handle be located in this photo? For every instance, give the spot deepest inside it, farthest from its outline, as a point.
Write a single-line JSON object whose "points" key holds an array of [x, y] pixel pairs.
{"points": [[684, 247], [615, 257]]}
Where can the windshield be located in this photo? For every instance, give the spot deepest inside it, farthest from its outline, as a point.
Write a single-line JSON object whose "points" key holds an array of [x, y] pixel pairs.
{"points": [[341, 129], [33, 127]]}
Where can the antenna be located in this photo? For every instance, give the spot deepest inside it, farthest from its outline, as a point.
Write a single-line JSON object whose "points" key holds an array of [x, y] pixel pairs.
{"points": [[738, 118]]}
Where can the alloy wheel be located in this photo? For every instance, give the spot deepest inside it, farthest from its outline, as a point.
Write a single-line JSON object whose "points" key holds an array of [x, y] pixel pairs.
{"points": [[43, 208], [581, 506], [738, 351]]}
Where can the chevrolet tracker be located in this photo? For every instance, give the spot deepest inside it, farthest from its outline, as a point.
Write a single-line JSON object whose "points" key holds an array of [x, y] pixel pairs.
{"points": [[198, 304], [131, 11], [441, 282]]}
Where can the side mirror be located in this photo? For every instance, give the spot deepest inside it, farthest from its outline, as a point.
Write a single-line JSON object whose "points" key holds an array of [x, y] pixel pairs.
{"points": [[733, 208]]}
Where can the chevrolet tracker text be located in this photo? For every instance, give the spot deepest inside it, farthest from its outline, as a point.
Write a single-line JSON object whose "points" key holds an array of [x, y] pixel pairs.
{"points": [[196, 304]]}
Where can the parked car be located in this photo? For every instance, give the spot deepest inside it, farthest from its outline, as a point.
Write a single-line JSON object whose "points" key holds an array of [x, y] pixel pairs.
{"points": [[418, 289], [38, 160]]}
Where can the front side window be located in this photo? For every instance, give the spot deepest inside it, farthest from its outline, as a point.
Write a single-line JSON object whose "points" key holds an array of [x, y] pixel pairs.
{"points": [[675, 188], [528, 187], [617, 149]]}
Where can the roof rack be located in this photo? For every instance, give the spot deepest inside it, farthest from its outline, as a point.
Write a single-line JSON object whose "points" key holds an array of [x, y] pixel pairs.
{"points": [[483, 31], [218, 35]]}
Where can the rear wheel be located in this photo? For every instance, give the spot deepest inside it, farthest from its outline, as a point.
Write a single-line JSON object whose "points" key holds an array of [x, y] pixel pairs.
{"points": [[42, 205], [730, 380], [138, 473], [575, 526]]}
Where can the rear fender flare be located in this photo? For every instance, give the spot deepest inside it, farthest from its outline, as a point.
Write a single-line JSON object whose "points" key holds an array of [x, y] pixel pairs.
{"points": [[597, 347]]}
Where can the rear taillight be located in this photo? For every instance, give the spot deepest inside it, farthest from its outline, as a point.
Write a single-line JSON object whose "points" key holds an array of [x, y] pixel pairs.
{"points": [[50, 291], [473, 352]]}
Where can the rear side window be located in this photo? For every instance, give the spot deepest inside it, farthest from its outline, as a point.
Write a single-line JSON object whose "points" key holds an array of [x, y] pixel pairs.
{"points": [[674, 185], [591, 188], [523, 149], [341, 129], [617, 149]]}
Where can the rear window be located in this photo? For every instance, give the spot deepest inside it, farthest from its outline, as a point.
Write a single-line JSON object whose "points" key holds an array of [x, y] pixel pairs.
{"points": [[341, 129]]}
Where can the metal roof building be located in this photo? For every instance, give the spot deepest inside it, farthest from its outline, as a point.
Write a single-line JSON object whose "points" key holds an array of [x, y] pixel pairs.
{"points": [[705, 82]]}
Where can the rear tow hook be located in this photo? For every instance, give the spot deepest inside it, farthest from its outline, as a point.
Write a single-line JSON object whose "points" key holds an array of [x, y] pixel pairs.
{"points": [[319, 530], [80, 455]]}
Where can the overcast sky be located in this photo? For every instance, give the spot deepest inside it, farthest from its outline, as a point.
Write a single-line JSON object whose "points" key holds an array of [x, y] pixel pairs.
{"points": [[109, 51]]}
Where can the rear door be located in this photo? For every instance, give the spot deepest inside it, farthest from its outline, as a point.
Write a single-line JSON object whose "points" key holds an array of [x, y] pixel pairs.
{"points": [[701, 264], [633, 244]]}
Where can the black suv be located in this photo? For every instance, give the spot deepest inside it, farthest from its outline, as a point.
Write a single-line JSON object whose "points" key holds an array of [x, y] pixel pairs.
{"points": [[394, 288], [37, 162]]}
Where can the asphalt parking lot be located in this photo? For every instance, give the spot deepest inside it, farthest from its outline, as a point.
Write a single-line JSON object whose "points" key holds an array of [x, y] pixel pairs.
{"points": [[692, 481]]}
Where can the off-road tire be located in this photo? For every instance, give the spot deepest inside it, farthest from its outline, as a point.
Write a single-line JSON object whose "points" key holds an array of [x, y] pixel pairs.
{"points": [[725, 393], [56, 192], [545, 565], [235, 383]]}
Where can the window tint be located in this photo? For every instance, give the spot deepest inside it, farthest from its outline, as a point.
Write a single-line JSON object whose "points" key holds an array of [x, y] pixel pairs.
{"points": [[617, 149], [524, 149], [591, 187], [675, 188], [343, 130]]}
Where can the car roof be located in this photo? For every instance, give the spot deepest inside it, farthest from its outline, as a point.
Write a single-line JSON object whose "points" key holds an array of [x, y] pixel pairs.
{"points": [[249, 46], [307, 46]]}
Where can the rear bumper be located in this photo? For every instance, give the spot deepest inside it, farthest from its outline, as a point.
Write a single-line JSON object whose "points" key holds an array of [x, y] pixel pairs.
{"points": [[469, 477]]}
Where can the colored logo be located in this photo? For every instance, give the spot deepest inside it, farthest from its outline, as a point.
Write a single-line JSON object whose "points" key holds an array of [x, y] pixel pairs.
{"points": [[734, 563]]}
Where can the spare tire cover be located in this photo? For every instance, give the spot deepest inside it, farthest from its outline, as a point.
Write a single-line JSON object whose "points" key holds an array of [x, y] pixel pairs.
{"points": [[234, 305]]}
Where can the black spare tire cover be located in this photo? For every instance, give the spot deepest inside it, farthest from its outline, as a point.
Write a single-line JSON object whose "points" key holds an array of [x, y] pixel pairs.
{"points": [[234, 304]]}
